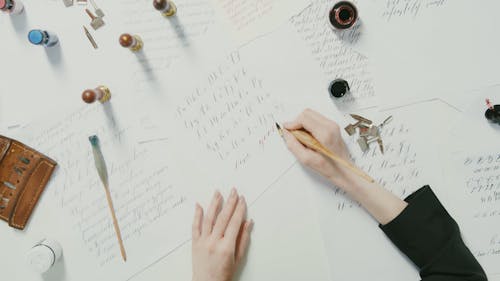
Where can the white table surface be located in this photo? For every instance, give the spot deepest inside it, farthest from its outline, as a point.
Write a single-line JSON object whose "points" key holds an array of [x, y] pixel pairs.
{"points": [[286, 244]]}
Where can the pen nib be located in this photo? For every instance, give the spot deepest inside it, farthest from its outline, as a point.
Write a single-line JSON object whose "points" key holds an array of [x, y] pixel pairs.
{"points": [[280, 131]]}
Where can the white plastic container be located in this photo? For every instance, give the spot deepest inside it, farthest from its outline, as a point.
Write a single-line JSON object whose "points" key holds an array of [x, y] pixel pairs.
{"points": [[44, 255]]}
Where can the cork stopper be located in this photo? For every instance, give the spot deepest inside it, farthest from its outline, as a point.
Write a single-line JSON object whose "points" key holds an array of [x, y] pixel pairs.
{"points": [[126, 40], [89, 96]]}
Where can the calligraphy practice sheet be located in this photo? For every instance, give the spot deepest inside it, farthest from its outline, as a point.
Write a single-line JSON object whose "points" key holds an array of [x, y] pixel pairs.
{"points": [[227, 113], [472, 169], [231, 117], [476, 194], [336, 59], [148, 184]]}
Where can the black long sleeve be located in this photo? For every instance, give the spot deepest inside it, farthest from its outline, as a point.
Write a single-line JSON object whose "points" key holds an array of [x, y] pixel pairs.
{"points": [[428, 235]]}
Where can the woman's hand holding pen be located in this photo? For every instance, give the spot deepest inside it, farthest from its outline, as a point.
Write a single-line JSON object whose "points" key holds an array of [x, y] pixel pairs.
{"points": [[326, 132], [378, 201]]}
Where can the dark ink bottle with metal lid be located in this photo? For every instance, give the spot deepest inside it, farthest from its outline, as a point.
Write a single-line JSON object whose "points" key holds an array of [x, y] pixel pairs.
{"points": [[343, 15], [338, 88], [493, 112]]}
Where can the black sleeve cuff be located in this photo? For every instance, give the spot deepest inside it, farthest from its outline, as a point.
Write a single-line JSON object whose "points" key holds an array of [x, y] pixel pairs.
{"points": [[422, 228]]}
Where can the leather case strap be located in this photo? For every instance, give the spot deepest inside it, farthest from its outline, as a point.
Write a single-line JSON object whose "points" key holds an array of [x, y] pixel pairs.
{"points": [[24, 173]]}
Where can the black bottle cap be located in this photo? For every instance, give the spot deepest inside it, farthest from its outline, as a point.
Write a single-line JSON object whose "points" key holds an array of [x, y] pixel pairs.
{"points": [[493, 114], [338, 88]]}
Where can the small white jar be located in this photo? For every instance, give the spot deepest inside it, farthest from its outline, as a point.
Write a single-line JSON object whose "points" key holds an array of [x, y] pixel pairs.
{"points": [[44, 255]]}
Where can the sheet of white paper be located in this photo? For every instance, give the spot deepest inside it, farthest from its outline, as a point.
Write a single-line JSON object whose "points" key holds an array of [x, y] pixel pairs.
{"points": [[291, 222], [166, 39], [476, 196], [472, 167], [413, 43], [335, 58], [472, 127], [226, 112], [270, 257], [352, 237], [248, 20], [149, 186]]}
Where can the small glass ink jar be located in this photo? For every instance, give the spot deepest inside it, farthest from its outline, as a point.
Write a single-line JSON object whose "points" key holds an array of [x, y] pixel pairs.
{"points": [[493, 114], [343, 15], [338, 88]]}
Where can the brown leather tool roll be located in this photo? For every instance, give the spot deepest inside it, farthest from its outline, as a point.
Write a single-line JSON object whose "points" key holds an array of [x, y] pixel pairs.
{"points": [[24, 173]]}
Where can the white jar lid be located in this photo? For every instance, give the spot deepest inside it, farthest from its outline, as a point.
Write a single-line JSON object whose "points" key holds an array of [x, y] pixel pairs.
{"points": [[44, 255]]}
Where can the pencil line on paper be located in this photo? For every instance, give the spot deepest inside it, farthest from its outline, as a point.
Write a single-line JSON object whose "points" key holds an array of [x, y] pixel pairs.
{"points": [[152, 140]]}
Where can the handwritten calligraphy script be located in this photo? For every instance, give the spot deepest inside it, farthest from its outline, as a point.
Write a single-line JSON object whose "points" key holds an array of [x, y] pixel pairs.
{"points": [[397, 169], [335, 58], [231, 113], [141, 184], [484, 182], [408, 8], [482, 191]]}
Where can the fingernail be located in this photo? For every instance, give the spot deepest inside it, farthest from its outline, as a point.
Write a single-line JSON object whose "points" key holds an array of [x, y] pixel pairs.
{"points": [[287, 124], [242, 199], [233, 192]]}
